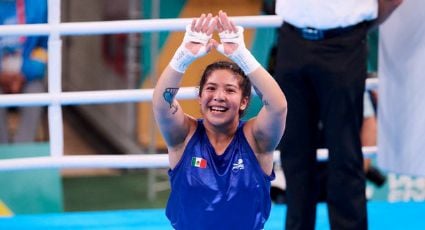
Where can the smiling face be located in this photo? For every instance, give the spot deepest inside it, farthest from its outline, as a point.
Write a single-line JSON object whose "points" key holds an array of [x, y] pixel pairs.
{"points": [[221, 97]]}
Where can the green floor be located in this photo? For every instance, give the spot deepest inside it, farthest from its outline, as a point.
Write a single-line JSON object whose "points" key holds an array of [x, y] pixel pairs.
{"points": [[29, 191], [125, 191]]}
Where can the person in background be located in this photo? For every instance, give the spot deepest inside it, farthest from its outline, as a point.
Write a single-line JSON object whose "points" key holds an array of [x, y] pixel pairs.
{"points": [[220, 166], [22, 65], [321, 67]]}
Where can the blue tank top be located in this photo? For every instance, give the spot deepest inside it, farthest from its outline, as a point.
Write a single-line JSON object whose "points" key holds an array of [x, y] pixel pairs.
{"points": [[208, 191]]}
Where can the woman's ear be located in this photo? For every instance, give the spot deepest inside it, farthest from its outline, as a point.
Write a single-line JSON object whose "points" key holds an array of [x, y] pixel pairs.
{"points": [[199, 100], [244, 103]]}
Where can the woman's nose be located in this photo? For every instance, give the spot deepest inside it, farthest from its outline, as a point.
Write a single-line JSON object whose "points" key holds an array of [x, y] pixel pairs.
{"points": [[219, 96]]}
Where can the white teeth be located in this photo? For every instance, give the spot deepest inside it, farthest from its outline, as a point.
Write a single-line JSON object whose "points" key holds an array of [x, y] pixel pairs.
{"points": [[219, 109]]}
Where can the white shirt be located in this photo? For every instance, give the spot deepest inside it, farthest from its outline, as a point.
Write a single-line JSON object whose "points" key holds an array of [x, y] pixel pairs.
{"points": [[401, 106], [326, 14]]}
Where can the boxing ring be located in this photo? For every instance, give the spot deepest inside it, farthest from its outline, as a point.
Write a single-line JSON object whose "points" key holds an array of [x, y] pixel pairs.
{"points": [[54, 99]]}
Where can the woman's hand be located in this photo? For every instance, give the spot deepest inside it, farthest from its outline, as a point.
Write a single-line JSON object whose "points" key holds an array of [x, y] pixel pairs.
{"points": [[199, 33], [196, 43], [233, 45], [231, 36]]}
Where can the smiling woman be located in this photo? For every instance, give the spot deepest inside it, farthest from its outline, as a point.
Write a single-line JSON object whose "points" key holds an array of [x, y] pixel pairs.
{"points": [[219, 164], [221, 84]]}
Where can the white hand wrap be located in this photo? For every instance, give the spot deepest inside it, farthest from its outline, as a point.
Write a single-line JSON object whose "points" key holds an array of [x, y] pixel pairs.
{"points": [[184, 57], [197, 37], [241, 56]]}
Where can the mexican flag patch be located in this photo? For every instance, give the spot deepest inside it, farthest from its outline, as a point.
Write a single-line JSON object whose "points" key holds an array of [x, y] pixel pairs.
{"points": [[199, 162]]}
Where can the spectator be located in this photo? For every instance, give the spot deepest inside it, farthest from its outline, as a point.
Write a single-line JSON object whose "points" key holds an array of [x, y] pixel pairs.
{"points": [[22, 65]]}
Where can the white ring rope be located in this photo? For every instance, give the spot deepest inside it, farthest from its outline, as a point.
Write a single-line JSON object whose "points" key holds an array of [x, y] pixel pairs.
{"points": [[129, 26], [103, 96], [120, 161], [86, 161], [55, 97]]}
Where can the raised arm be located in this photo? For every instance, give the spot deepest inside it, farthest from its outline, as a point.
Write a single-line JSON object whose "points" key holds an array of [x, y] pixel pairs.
{"points": [[172, 121], [267, 128]]}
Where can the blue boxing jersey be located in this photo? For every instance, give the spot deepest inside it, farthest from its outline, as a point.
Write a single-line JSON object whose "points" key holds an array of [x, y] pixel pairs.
{"points": [[208, 191]]}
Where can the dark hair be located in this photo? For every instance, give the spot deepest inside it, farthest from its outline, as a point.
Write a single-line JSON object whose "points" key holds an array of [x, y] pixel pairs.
{"points": [[244, 82]]}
